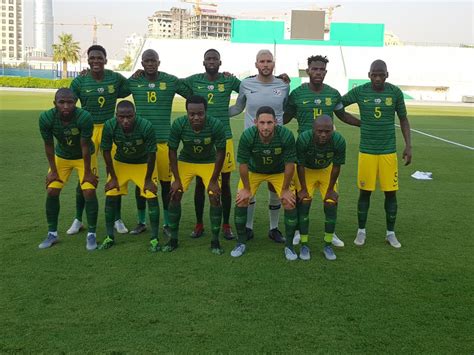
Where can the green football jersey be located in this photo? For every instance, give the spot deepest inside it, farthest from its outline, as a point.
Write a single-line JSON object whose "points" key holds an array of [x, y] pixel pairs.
{"points": [[314, 156], [198, 147], [306, 104], [132, 148], [100, 97], [267, 158], [68, 136], [217, 93], [377, 116], [154, 100]]}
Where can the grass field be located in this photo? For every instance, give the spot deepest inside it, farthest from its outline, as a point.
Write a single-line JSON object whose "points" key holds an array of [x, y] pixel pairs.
{"points": [[373, 299]]}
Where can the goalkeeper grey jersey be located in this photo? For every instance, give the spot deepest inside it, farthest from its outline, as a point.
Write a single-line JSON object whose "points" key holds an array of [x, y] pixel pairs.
{"points": [[254, 94]]}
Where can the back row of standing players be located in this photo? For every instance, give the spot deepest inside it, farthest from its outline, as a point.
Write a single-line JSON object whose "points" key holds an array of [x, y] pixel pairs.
{"points": [[319, 150]]}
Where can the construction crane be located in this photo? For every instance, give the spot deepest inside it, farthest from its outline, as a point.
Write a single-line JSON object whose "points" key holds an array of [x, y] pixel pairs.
{"points": [[197, 5], [95, 25]]}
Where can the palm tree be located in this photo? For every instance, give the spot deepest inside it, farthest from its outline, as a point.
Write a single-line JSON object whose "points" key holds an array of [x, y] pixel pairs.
{"points": [[67, 50]]}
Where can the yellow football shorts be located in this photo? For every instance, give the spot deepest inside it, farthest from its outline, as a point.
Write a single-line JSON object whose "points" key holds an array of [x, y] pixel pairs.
{"points": [[130, 172], [187, 172], [316, 179], [163, 162], [65, 168], [229, 160], [372, 166], [255, 179]]}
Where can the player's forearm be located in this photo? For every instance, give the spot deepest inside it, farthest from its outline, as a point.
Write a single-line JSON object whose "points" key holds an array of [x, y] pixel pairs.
{"points": [[244, 175], [173, 156], [301, 176], [150, 167], [336, 170], [346, 117], [239, 106], [109, 165], [288, 176], [86, 156], [220, 155], [405, 127], [49, 150]]}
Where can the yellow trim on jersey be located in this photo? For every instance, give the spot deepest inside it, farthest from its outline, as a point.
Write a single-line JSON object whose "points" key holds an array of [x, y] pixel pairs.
{"points": [[255, 179], [131, 172], [316, 179], [65, 168], [229, 160], [381, 166], [187, 172]]}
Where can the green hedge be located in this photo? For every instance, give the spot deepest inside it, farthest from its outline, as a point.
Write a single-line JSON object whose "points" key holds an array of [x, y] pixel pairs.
{"points": [[23, 82]]}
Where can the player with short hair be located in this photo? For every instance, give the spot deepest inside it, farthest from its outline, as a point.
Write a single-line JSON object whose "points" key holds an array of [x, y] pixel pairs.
{"points": [[153, 93], [72, 128], [378, 101], [266, 153], [97, 90], [204, 142], [320, 151], [134, 161], [264, 89], [216, 88], [311, 100]]}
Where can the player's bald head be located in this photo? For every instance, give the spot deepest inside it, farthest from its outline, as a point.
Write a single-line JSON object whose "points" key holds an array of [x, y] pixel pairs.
{"points": [[378, 65], [150, 53], [323, 120], [64, 93]]}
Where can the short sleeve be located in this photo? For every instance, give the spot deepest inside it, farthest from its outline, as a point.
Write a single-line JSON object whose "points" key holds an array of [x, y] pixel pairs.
{"points": [[46, 129]]}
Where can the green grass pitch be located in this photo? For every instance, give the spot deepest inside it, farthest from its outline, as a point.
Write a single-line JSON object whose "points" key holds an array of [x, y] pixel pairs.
{"points": [[373, 299]]}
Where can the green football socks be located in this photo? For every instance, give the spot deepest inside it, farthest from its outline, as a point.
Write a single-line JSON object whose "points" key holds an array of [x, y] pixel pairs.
{"points": [[330, 212], [154, 214], [291, 221], [216, 218], [52, 212], [141, 206], [174, 210], [199, 201], [363, 208], [80, 202], [391, 211], [92, 211], [165, 197], [110, 209], [240, 220]]}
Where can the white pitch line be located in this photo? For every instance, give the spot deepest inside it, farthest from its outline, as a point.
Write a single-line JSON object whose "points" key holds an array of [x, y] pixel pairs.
{"points": [[439, 138]]}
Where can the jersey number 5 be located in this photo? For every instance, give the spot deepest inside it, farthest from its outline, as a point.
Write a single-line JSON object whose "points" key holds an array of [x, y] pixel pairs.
{"points": [[377, 112]]}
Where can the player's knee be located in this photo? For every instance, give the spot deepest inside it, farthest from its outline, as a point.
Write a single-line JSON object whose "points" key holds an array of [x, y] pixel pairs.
{"points": [[329, 203], [88, 193], [243, 203], [53, 192], [214, 200], [287, 206]]}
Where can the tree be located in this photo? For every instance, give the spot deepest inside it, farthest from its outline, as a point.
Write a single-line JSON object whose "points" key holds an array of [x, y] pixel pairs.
{"points": [[126, 65], [67, 50]]}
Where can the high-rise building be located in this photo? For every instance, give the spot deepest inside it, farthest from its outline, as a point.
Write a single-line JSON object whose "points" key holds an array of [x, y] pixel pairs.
{"points": [[12, 46], [44, 30], [179, 23]]}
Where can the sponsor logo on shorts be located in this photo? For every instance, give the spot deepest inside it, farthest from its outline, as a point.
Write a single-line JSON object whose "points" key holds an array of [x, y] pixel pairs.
{"points": [[361, 183]]}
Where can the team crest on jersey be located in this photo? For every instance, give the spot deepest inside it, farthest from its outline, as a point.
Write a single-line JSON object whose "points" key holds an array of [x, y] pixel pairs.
{"points": [[317, 101], [197, 141], [100, 90], [162, 86], [277, 92], [207, 140], [74, 131], [267, 151], [362, 183], [220, 87], [111, 89], [388, 101], [378, 101], [151, 85], [210, 87], [328, 101], [277, 150], [139, 141]]}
